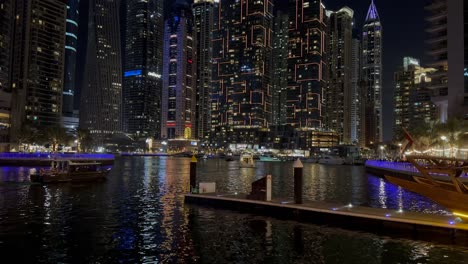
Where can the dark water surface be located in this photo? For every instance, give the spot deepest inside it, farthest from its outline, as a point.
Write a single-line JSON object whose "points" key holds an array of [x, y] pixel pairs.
{"points": [[138, 216]]}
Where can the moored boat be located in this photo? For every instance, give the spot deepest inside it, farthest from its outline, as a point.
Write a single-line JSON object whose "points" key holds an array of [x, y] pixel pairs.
{"points": [[246, 161], [68, 171], [333, 160]]}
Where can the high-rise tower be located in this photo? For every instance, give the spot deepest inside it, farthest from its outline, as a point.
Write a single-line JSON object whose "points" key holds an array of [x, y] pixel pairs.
{"points": [[179, 76], [38, 62], [142, 80], [306, 64], [355, 87], [203, 12], [339, 94], [7, 16], [372, 85], [241, 78], [448, 23], [6, 34], [101, 95], [279, 64], [71, 44], [412, 98]]}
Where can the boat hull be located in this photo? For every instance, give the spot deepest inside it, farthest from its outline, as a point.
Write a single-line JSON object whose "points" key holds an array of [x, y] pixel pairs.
{"points": [[62, 178], [450, 199]]}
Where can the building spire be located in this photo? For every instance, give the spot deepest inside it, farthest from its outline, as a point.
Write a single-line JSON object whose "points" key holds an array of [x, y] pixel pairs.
{"points": [[372, 14]]}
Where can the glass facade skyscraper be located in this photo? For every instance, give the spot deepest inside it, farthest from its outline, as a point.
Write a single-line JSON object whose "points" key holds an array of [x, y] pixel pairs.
{"points": [[279, 64], [241, 72], [69, 80], [339, 94], [371, 76], [142, 78], [179, 76], [465, 69], [306, 64], [101, 95], [203, 13], [38, 63]]}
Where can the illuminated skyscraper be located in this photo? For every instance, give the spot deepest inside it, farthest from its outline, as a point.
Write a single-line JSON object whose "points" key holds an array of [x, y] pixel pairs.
{"points": [[306, 64], [142, 85], [372, 85], [412, 98], [279, 63], [447, 26], [179, 76], [101, 95], [70, 57], [7, 15], [339, 94], [355, 88], [38, 62], [6, 34], [203, 12], [241, 71]]}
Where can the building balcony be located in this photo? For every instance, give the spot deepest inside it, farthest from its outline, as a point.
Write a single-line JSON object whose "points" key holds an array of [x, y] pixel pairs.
{"points": [[438, 51], [436, 28], [436, 5], [438, 63], [436, 16], [435, 40]]}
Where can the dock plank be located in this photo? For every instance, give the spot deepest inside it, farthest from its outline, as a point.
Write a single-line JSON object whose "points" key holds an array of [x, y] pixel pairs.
{"points": [[334, 209]]}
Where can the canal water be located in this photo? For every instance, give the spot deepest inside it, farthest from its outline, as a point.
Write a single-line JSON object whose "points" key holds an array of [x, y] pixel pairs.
{"points": [[138, 216]]}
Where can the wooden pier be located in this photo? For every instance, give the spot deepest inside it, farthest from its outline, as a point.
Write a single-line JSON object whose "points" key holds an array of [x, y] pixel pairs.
{"points": [[413, 225]]}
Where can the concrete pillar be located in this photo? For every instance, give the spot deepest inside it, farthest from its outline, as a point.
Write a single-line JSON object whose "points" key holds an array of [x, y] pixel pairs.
{"points": [[298, 181]]}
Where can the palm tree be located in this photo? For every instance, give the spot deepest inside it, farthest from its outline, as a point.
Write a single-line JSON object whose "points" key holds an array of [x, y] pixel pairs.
{"points": [[26, 135], [84, 140], [56, 135], [454, 130]]}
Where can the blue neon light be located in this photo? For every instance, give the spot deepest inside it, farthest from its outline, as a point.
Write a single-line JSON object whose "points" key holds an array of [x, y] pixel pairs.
{"points": [[71, 35], [70, 48], [132, 73], [72, 22]]}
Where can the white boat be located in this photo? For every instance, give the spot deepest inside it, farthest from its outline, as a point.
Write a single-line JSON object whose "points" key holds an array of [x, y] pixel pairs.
{"points": [[246, 161], [328, 159]]}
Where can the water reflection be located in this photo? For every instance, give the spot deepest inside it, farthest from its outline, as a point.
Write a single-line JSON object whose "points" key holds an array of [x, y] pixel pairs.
{"points": [[341, 184], [138, 216]]}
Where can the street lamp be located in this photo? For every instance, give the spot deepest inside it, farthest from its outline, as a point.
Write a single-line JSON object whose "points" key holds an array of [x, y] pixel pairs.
{"points": [[444, 138], [382, 153], [399, 145]]}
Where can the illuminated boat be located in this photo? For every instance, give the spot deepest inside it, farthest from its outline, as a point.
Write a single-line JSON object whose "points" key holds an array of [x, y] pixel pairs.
{"points": [[68, 171], [444, 180], [246, 160]]}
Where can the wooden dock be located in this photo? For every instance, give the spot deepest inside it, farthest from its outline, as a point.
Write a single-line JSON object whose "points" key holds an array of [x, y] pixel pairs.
{"points": [[414, 225]]}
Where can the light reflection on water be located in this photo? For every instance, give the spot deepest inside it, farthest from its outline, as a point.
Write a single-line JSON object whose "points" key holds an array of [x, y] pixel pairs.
{"points": [[138, 216]]}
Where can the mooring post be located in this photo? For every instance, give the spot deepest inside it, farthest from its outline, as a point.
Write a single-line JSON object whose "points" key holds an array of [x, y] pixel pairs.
{"points": [[298, 171], [193, 174], [268, 188]]}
